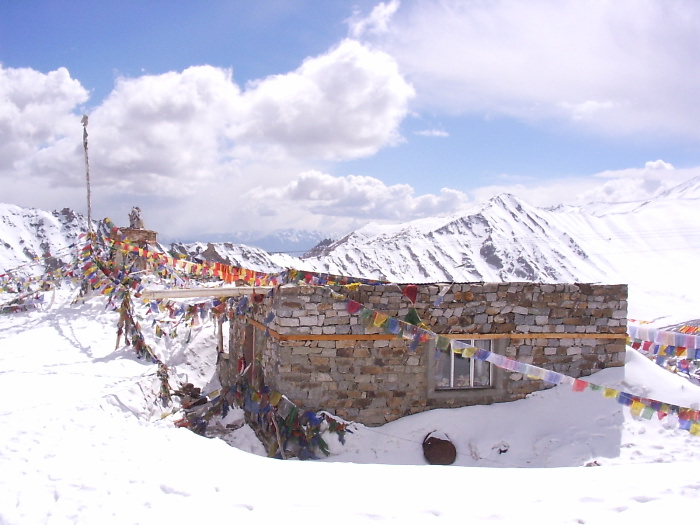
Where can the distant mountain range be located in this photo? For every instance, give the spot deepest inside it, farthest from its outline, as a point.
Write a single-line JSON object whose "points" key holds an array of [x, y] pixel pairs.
{"points": [[291, 241], [653, 244]]}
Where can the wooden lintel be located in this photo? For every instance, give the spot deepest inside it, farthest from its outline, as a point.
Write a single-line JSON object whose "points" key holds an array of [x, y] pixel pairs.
{"points": [[386, 337], [567, 335], [222, 291]]}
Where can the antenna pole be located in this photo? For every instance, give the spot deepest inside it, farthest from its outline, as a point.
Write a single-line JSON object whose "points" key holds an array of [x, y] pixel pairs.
{"points": [[84, 121]]}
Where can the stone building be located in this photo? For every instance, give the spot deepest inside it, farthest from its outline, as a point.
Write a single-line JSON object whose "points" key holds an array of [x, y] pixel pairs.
{"points": [[303, 342]]}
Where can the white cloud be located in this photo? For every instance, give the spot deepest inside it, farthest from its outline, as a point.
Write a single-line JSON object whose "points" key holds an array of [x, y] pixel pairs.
{"points": [[357, 196], [658, 165], [432, 133], [35, 112], [172, 141], [613, 67], [625, 185], [345, 104], [376, 22]]}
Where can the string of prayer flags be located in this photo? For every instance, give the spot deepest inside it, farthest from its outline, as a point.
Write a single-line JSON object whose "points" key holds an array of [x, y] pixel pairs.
{"points": [[677, 359], [685, 337], [643, 408]]}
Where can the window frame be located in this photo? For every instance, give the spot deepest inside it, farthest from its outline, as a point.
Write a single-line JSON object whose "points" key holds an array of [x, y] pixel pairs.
{"points": [[481, 343]]}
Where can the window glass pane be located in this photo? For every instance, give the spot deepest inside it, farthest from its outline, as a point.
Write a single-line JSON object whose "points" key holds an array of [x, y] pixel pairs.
{"points": [[462, 371], [442, 370], [482, 369], [483, 343], [482, 373]]}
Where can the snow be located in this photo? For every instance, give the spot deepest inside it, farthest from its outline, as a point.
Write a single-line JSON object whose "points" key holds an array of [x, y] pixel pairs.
{"points": [[83, 441]]}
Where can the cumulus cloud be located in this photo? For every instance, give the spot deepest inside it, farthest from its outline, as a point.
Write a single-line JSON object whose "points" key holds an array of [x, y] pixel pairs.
{"points": [[35, 112], [165, 140], [345, 104], [358, 196], [658, 165], [625, 185], [613, 67], [638, 184], [199, 124]]}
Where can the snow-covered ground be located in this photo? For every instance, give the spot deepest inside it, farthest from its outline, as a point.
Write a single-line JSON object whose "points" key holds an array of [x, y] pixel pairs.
{"points": [[83, 441]]}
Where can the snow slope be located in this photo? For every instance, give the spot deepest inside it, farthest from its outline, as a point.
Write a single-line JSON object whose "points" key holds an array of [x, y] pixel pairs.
{"points": [[83, 442], [28, 234]]}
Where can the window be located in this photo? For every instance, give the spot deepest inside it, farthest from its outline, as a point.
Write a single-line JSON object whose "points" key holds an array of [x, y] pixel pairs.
{"points": [[454, 371]]}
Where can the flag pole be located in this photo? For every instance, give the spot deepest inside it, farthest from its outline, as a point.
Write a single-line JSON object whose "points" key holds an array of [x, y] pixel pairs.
{"points": [[84, 121]]}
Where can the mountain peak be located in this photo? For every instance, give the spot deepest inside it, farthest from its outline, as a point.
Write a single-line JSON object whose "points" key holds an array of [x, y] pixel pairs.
{"points": [[688, 190]]}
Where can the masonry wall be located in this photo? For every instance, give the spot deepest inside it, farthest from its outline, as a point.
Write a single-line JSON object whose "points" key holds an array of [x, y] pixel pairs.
{"points": [[322, 357]]}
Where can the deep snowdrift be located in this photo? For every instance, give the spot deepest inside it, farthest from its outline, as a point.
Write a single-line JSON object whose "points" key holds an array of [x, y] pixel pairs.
{"points": [[83, 441]]}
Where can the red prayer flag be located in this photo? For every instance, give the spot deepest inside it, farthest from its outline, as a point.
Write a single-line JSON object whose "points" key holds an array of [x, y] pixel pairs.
{"points": [[579, 386], [353, 306], [411, 291]]}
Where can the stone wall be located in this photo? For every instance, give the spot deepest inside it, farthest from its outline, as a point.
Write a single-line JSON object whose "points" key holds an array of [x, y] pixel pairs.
{"points": [[323, 358]]}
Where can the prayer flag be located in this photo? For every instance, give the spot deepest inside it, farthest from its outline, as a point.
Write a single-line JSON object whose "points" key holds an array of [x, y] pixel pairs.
{"points": [[481, 354], [380, 319], [636, 408], [411, 291], [648, 412], [443, 343], [579, 385], [393, 326], [610, 393]]}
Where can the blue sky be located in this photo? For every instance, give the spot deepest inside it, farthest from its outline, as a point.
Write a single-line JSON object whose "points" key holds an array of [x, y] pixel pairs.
{"points": [[220, 116]]}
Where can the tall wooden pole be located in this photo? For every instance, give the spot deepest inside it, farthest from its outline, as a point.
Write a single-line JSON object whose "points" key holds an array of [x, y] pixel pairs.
{"points": [[87, 172]]}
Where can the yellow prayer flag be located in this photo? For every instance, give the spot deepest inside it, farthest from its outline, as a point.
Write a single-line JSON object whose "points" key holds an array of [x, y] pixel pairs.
{"points": [[636, 408], [469, 351], [380, 319], [275, 398], [695, 429], [610, 393]]}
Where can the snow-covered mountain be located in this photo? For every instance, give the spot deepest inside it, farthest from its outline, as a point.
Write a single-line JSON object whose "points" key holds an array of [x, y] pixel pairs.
{"points": [[643, 244], [505, 239], [239, 255], [500, 241], [28, 235], [290, 240], [508, 240]]}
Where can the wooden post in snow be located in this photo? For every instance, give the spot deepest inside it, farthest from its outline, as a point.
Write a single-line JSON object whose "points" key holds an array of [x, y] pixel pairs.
{"points": [[84, 121]]}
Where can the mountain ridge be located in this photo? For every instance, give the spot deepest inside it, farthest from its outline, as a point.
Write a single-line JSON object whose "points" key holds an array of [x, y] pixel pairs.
{"points": [[504, 239]]}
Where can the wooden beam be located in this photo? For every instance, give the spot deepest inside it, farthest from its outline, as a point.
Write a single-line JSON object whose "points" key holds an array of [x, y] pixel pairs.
{"points": [[386, 337], [567, 335], [222, 291]]}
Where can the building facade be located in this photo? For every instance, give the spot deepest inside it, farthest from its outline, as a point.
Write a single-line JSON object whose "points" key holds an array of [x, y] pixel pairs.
{"points": [[304, 342]]}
